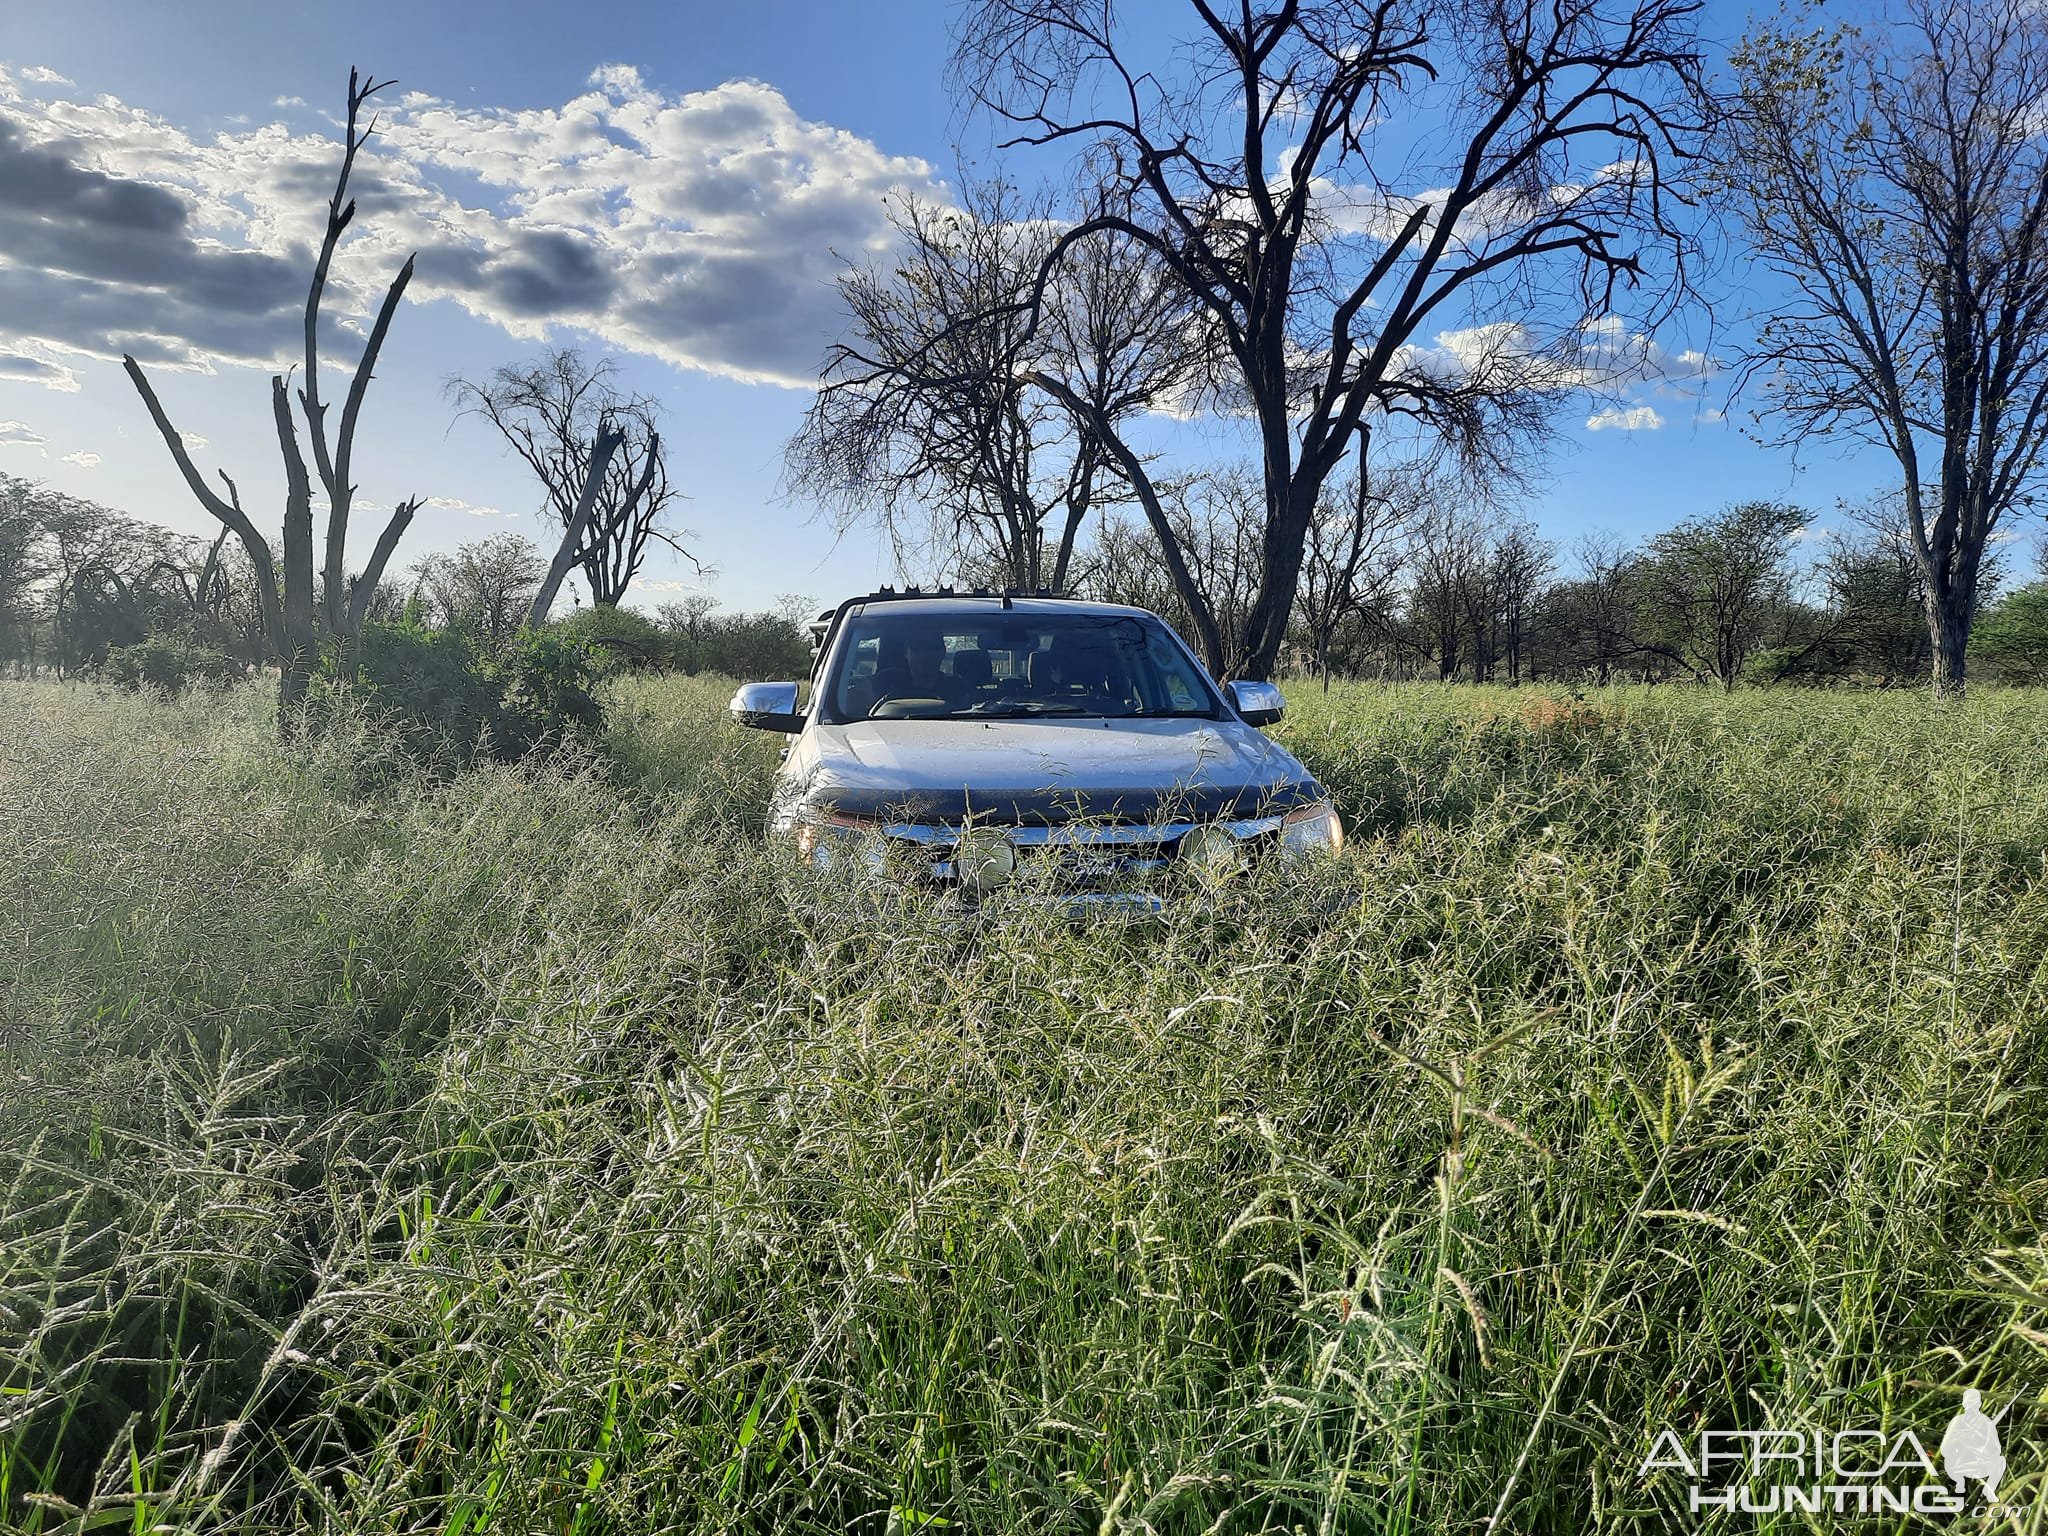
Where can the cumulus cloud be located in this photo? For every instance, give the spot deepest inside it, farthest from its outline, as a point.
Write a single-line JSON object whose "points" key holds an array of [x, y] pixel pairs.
{"points": [[102, 263], [17, 434], [43, 75], [703, 228], [81, 458], [1602, 356], [1635, 418]]}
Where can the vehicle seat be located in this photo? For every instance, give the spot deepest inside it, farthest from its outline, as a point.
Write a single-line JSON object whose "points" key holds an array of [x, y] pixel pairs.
{"points": [[1071, 666], [973, 671]]}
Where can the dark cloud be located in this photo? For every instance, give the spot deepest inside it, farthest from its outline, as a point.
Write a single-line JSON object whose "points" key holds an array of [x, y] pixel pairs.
{"points": [[773, 318], [698, 228], [42, 181], [546, 274], [108, 264], [158, 325]]}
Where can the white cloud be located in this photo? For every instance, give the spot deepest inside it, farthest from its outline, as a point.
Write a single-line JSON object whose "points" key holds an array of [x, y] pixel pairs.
{"points": [[289, 101], [43, 75], [30, 363], [1636, 418], [467, 508], [1609, 352], [18, 434], [1601, 355], [193, 440], [81, 458], [703, 228]]}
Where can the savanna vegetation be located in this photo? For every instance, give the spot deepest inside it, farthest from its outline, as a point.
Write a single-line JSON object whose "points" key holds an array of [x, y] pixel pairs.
{"points": [[528, 1148]]}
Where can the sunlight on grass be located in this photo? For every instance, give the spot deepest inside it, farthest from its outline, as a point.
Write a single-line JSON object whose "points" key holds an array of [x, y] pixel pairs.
{"points": [[534, 1151]]}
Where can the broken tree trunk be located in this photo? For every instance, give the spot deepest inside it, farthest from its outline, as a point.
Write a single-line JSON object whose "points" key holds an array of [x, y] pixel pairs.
{"points": [[571, 548]]}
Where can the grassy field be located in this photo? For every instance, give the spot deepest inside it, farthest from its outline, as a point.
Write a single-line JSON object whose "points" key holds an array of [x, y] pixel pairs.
{"points": [[531, 1152]]}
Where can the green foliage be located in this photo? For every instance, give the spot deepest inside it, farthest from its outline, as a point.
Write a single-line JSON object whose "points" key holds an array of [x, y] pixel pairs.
{"points": [[1778, 664], [619, 640], [2013, 635], [1716, 588], [535, 1150], [547, 680], [452, 705], [168, 664], [757, 647]]}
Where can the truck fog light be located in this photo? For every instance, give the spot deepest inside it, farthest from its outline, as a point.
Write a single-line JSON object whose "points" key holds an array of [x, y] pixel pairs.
{"points": [[984, 860]]}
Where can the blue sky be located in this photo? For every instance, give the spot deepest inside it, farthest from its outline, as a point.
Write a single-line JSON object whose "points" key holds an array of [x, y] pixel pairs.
{"points": [[754, 139]]}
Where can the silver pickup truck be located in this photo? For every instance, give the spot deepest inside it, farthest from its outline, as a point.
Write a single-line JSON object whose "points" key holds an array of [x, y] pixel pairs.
{"points": [[1041, 747]]}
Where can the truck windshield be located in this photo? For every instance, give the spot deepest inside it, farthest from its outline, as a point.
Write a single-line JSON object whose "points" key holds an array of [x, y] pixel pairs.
{"points": [[979, 666]]}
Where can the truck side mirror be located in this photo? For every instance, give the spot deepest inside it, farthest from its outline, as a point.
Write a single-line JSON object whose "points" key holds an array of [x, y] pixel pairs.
{"points": [[1259, 703], [767, 707]]}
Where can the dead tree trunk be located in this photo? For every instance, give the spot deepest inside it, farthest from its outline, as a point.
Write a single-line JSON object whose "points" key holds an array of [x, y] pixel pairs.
{"points": [[293, 625], [301, 640], [570, 551]]}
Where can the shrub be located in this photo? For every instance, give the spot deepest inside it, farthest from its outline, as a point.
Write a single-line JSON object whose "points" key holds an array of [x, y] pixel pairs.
{"points": [[452, 704], [758, 646], [169, 664], [547, 679], [618, 640], [2013, 636]]}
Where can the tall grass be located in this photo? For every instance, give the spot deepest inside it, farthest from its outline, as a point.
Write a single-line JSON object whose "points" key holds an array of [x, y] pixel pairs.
{"points": [[535, 1152]]}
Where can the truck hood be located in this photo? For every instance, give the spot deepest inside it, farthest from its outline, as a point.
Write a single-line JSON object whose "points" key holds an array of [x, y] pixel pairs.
{"points": [[1050, 771]]}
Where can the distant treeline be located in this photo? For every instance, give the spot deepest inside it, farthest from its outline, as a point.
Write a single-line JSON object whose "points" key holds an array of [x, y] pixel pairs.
{"points": [[82, 586], [1722, 599]]}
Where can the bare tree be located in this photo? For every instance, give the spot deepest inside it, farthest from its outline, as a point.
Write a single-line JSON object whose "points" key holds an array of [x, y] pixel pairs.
{"points": [[1595, 616], [1212, 517], [1261, 176], [553, 414], [951, 423], [1520, 563], [290, 619], [576, 531], [1352, 558], [1446, 554], [484, 588], [1900, 183]]}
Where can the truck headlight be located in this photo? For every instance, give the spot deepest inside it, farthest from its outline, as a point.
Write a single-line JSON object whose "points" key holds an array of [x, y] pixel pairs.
{"points": [[1212, 854], [1312, 829], [984, 860], [836, 842]]}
